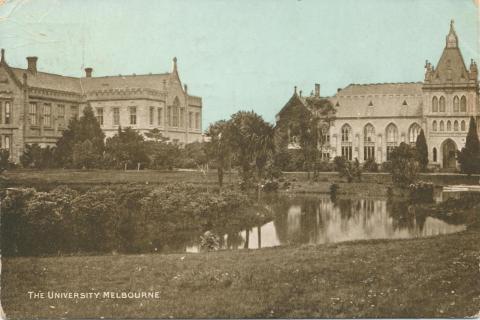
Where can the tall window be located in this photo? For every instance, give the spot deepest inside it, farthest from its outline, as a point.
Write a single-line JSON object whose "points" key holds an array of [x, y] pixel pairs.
{"points": [[159, 116], [116, 116], [442, 104], [8, 143], [463, 126], [47, 115], [61, 115], [463, 104], [442, 126], [347, 142], [152, 115], [413, 133], [176, 110], [190, 120], [169, 115], [434, 125], [369, 142], [456, 104], [100, 116], [74, 112], [197, 120], [455, 126], [33, 115], [182, 117], [8, 112], [133, 115], [449, 125], [392, 139], [435, 104], [434, 154]]}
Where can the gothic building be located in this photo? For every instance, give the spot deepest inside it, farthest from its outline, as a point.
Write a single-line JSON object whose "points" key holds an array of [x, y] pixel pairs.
{"points": [[35, 106], [372, 119]]}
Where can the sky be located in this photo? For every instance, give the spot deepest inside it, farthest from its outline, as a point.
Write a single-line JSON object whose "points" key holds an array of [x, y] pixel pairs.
{"points": [[240, 54]]}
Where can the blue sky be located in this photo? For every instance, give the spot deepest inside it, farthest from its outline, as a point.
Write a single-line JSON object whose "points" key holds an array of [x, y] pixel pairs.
{"points": [[239, 54]]}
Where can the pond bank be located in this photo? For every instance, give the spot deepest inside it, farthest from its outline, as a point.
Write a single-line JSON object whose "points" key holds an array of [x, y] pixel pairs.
{"points": [[428, 277]]}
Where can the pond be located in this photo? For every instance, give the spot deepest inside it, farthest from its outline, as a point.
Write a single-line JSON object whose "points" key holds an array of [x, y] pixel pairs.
{"points": [[309, 219]]}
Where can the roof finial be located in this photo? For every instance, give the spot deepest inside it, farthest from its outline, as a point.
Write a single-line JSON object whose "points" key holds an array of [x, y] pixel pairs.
{"points": [[452, 39], [3, 55], [174, 64], [295, 89]]}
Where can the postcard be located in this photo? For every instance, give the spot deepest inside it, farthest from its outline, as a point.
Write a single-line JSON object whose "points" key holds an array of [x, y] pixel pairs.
{"points": [[239, 159]]}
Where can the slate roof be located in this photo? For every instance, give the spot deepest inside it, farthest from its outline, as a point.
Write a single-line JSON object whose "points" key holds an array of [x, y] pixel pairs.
{"points": [[49, 80], [151, 81], [379, 100]]}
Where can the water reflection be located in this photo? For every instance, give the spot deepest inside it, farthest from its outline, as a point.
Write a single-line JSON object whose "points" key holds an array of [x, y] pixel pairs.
{"points": [[318, 220]]}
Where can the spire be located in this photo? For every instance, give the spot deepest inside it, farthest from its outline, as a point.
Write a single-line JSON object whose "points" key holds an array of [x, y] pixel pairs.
{"points": [[452, 39]]}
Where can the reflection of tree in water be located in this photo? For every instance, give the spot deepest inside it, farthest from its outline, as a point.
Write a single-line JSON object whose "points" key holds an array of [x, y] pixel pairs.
{"points": [[403, 215]]}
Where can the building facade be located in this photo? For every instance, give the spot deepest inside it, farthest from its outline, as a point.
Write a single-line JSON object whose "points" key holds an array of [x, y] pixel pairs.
{"points": [[372, 119], [35, 107]]}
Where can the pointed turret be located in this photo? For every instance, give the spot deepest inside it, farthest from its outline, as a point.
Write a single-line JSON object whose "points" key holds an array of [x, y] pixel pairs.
{"points": [[452, 39], [451, 67], [175, 65]]}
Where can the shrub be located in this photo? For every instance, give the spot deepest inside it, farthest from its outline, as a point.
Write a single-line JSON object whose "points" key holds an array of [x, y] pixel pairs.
{"points": [[348, 169], [422, 151], [469, 156], [404, 165], [370, 165]]}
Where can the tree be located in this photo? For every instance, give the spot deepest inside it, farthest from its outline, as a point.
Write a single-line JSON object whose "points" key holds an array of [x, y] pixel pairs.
{"points": [[404, 165], [218, 148], [37, 157], [252, 143], [469, 156], [422, 150], [78, 131], [126, 148], [84, 155]]}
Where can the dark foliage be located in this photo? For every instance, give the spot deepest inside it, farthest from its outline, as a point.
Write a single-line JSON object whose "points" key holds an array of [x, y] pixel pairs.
{"points": [[469, 156]]}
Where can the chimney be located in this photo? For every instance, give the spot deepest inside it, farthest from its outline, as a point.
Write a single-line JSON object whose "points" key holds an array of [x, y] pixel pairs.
{"points": [[32, 64], [317, 90], [185, 88], [88, 72]]}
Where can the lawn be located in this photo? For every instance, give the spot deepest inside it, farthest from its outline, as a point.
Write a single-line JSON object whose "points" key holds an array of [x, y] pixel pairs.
{"points": [[430, 277]]}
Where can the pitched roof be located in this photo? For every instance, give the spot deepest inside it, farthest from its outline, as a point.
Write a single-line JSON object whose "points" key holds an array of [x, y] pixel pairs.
{"points": [[401, 88], [381, 100], [151, 81], [49, 80]]}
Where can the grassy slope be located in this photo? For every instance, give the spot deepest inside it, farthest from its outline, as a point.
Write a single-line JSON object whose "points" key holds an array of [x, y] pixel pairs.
{"points": [[430, 277]]}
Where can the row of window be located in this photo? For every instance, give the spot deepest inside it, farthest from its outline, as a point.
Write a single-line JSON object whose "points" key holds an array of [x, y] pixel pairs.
{"points": [[47, 111], [459, 104], [441, 126], [391, 138], [175, 116]]}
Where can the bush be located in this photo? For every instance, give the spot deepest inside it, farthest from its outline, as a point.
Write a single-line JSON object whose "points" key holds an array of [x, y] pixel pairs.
{"points": [[370, 166], [324, 166], [348, 169], [404, 165]]}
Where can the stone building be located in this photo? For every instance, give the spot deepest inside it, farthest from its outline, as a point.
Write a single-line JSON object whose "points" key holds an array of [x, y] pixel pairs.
{"points": [[372, 119], [35, 106]]}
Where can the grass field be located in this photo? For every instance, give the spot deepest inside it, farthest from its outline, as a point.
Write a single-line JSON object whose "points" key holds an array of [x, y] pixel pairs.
{"points": [[431, 277]]}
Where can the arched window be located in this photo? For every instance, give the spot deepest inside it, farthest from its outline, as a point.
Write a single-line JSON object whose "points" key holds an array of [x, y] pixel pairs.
{"points": [[456, 104], [442, 104], [413, 133], [442, 126], [463, 126], [434, 154], [435, 104], [449, 125], [347, 142], [392, 138], [434, 125], [463, 104], [369, 142], [346, 133], [455, 126]]}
